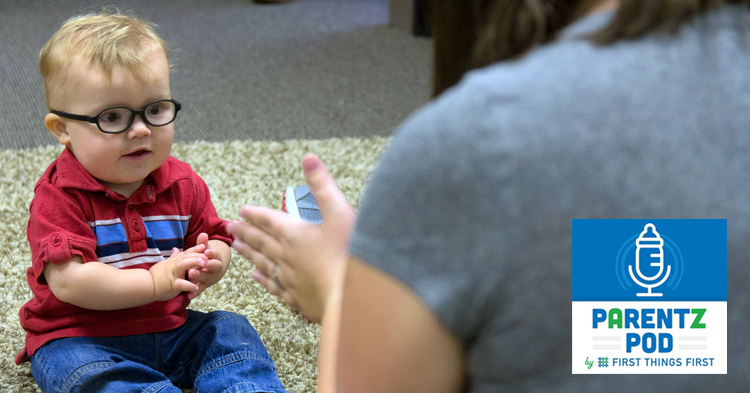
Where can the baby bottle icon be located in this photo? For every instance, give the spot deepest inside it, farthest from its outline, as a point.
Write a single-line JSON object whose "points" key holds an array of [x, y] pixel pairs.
{"points": [[649, 250]]}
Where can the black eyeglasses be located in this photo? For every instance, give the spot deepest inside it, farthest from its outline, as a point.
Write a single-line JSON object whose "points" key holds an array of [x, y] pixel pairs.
{"points": [[119, 118]]}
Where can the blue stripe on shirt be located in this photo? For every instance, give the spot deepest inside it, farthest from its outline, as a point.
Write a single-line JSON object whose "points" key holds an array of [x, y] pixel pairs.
{"points": [[110, 234], [164, 235], [168, 229]]}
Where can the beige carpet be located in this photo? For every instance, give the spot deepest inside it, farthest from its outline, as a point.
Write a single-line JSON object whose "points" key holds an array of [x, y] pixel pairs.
{"points": [[237, 173]]}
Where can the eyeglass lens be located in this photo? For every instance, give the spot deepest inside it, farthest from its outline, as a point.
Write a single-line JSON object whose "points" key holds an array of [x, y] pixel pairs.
{"points": [[118, 119]]}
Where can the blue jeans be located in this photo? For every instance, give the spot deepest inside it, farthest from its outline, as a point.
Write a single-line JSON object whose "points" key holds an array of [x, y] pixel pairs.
{"points": [[214, 352]]}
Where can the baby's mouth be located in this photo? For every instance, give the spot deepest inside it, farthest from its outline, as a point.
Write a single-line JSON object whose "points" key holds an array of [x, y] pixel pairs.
{"points": [[138, 153]]}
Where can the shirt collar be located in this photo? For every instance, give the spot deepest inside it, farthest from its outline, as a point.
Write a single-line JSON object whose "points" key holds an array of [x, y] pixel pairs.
{"points": [[71, 174]]}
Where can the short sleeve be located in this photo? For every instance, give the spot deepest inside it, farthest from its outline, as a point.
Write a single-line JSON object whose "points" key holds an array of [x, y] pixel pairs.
{"points": [[203, 217], [57, 229]]}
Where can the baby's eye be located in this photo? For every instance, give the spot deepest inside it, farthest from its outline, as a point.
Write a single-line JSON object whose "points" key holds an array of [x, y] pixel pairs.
{"points": [[154, 109], [109, 117]]}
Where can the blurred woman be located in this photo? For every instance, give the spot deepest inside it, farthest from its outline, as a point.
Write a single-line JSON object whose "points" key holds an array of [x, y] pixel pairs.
{"points": [[456, 275]]}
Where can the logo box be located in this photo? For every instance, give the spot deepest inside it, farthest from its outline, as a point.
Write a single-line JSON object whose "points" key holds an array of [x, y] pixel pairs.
{"points": [[649, 296]]}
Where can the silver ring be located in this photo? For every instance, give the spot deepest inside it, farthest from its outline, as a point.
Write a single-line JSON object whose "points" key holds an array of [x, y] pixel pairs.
{"points": [[275, 277]]}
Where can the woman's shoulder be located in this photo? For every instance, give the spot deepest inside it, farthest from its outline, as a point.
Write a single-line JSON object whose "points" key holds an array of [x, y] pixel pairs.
{"points": [[575, 81]]}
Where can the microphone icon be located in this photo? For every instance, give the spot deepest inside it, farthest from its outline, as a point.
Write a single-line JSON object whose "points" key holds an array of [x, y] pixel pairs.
{"points": [[649, 249]]}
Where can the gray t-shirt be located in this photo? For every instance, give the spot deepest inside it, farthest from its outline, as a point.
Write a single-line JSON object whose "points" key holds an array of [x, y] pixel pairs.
{"points": [[471, 204]]}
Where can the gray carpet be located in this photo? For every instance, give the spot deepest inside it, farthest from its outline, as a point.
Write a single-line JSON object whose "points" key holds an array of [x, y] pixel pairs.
{"points": [[237, 173], [310, 69]]}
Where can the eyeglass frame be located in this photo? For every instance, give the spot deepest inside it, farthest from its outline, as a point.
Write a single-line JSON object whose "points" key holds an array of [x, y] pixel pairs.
{"points": [[133, 113]]}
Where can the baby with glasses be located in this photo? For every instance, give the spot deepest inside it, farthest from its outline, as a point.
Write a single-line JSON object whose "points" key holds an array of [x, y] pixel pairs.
{"points": [[122, 235]]}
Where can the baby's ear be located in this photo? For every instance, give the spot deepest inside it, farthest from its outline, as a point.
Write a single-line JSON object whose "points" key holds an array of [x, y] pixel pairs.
{"points": [[56, 126]]}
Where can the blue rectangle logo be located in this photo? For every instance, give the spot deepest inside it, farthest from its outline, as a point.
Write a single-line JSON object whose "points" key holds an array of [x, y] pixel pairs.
{"points": [[641, 260]]}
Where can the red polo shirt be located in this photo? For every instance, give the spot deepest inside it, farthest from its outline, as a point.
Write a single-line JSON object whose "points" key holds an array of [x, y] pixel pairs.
{"points": [[73, 214]]}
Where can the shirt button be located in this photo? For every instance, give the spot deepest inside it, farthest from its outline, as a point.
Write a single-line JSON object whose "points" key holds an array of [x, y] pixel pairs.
{"points": [[56, 241], [136, 225]]}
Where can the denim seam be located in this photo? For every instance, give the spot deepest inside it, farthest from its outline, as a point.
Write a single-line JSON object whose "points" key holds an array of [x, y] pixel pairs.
{"points": [[157, 356], [158, 386], [253, 388], [75, 376], [225, 315], [41, 366], [234, 358]]}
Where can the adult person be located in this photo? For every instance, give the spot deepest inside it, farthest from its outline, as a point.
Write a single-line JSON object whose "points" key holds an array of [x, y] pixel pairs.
{"points": [[457, 274]]}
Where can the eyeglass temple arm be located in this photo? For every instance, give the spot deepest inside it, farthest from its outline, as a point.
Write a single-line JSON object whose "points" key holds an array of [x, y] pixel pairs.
{"points": [[71, 116]]}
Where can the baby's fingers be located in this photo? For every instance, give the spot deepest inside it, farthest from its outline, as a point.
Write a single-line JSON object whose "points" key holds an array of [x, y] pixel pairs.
{"points": [[180, 267], [193, 294], [212, 266], [184, 285], [193, 275], [199, 248], [193, 255], [212, 254]]}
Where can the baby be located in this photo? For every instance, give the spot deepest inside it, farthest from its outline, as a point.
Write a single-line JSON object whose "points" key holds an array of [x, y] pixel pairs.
{"points": [[122, 235]]}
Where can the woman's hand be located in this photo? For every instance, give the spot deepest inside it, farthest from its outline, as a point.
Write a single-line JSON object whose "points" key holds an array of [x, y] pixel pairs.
{"points": [[307, 260]]}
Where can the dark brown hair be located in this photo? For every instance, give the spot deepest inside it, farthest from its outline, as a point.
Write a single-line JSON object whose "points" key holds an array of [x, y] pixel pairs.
{"points": [[474, 33]]}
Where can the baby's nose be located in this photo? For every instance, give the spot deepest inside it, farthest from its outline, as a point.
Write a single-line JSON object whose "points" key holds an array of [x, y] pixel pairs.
{"points": [[139, 128]]}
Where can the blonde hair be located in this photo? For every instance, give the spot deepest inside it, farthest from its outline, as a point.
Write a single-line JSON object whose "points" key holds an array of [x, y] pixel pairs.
{"points": [[108, 39]]}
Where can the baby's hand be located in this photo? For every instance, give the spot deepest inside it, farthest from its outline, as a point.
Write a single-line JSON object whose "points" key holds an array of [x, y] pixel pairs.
{"points": [[169, 275], [209, 272]]}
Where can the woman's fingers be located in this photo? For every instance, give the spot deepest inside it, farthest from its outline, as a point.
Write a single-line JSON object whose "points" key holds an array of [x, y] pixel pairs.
{"points": [[330, 199], [261, 262], [286, 294], [257, 239], [273, 222], [267, 282]]}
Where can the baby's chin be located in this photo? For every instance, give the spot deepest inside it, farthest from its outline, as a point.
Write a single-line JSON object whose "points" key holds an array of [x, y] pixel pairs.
{"points": [[121, 187]]}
